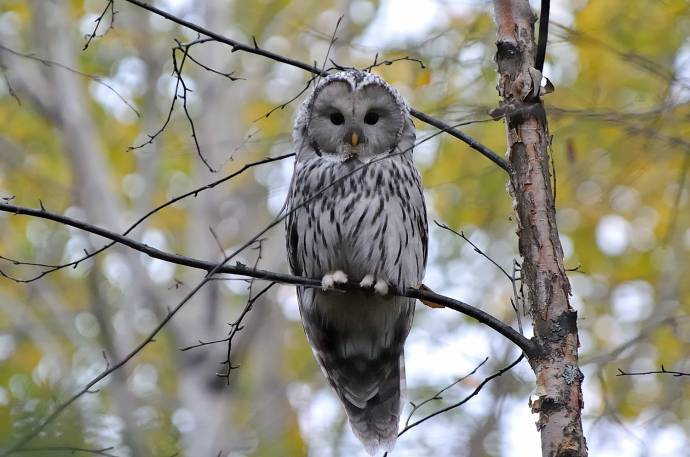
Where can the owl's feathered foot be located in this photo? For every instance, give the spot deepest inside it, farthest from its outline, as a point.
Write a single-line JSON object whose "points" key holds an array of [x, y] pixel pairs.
{"points": [[380, 286], [329, 280]]}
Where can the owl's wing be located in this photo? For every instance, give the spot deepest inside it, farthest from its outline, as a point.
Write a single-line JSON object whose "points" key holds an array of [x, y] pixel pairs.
{"points": [[293, 224]]}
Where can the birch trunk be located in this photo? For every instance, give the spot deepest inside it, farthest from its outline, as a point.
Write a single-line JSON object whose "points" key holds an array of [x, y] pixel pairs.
{"points": [[559, 396]]}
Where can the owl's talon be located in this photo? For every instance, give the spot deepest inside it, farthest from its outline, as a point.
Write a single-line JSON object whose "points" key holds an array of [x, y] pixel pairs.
{"points": [[329, 280], [381, 287], [367, 282]]}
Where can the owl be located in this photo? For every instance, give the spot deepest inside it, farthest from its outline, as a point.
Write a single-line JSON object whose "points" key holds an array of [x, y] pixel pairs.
{"points": [[353, 137]]}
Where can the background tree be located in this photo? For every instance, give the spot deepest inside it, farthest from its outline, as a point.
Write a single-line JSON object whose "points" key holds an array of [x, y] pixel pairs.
{"points": [[618, 119]]}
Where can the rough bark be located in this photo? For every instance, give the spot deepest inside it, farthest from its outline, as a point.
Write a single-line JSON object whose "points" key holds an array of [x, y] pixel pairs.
{"points": [[559, 403]]}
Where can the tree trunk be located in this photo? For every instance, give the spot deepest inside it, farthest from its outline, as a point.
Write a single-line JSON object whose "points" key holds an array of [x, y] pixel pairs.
{"points": [[558, 378]]}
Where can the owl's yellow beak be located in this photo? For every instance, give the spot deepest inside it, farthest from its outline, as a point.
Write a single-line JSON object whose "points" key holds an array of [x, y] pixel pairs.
{"points": [[355, 139]]}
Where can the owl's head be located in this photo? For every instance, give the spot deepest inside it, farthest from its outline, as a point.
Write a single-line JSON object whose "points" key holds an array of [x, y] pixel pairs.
{"points": [[353, 114]]}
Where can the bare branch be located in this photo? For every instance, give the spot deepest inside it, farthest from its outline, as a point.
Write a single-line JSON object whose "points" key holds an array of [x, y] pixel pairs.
{"points": [[437, 395], [682, 178], [202, 343], [10, 90], [69, 449], [284, 105], [227, 75], [193, 192], [21, 442], [185, 90], [51, 63], [644, 373], [471, 142], [378, 63], [512, 278], [110, 6], [467, 398], [236, 327], [243, 270], [255, 49], [476, 249], [330, 46], [181, 92]]}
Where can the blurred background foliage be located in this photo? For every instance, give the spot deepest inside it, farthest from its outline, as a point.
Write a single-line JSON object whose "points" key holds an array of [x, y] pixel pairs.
{"points": [[620, 122]]}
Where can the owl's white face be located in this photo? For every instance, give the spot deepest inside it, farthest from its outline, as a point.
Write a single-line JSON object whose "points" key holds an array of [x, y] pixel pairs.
{"points": [[356, 123]]}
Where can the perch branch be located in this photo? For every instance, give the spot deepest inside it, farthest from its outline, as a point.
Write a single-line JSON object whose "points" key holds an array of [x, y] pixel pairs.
{"points": [[240, 269]]}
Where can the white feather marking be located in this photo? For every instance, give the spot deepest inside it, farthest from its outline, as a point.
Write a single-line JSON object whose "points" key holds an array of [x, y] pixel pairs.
{"points": [[367, 281], [331, 279], [381, 287]]}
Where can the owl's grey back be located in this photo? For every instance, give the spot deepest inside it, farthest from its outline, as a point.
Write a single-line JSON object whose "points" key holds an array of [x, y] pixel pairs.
{"points": [[371, 220]]}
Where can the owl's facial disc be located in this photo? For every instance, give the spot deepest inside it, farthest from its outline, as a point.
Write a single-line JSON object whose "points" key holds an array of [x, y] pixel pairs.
{"points": [[362, 123]]}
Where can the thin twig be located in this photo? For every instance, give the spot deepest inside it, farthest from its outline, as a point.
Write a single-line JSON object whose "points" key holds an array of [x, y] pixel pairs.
{"points": [[518, 296], [181, 84], [510, 277], [70, 450], [644, 373], [284, 105], [52, 63], [236, 327], [471, 142], [437, 395], [193, 192], [108, 6], [228, 75], [186, 90], [202, 343], [467, 398], [682, 178], [10, 90], [330, 46], [378, 63], [476, 248]]}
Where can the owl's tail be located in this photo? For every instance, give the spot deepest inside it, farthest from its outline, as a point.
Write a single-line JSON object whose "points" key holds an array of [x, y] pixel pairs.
{"points": [[375, 422]]}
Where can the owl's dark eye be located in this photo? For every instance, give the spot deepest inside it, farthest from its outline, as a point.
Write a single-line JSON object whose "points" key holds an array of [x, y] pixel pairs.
{"points": [[337, 118], [371, 118]]}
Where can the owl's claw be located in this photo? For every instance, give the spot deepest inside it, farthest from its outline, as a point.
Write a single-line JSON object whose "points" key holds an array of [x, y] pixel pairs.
{"points": [[367, 282], [329, 280], [380, 286]]}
